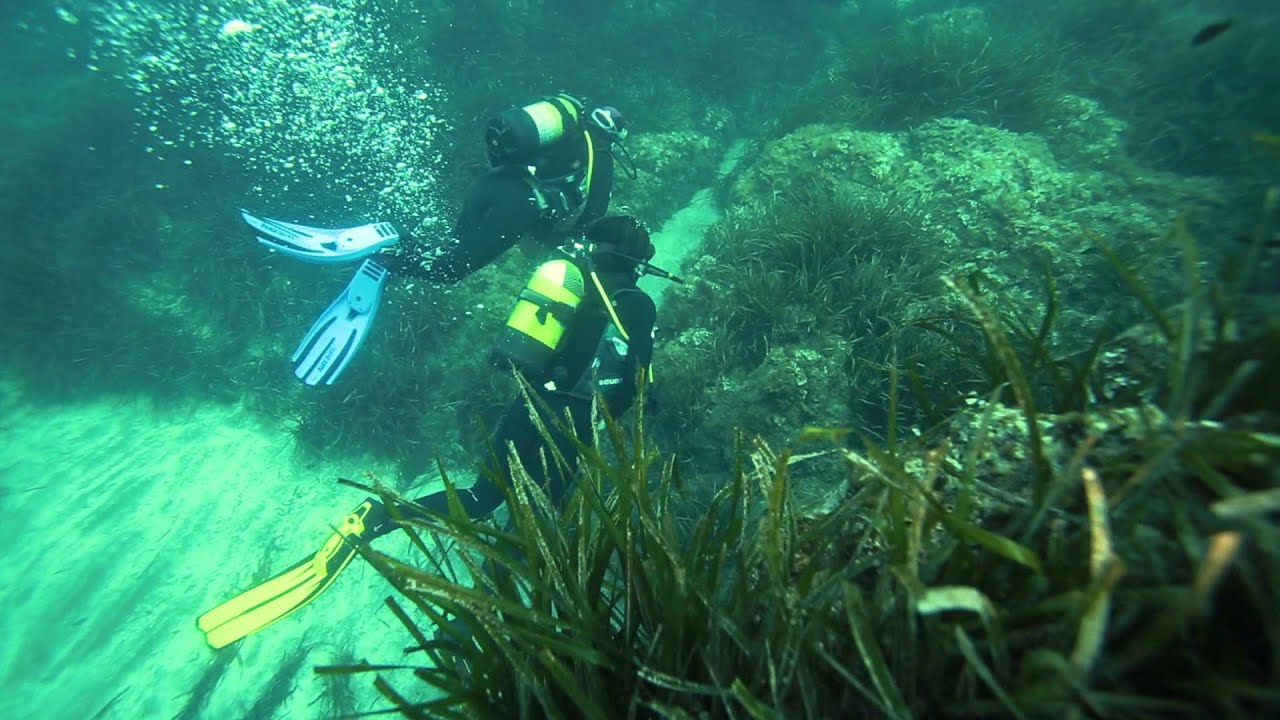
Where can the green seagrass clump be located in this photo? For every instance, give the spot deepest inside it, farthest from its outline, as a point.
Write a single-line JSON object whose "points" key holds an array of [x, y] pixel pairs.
{"points": [[1121, 562]]}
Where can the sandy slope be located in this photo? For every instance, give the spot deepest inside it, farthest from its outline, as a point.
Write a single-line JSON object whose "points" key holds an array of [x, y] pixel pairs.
{"points": [[123, 523]]}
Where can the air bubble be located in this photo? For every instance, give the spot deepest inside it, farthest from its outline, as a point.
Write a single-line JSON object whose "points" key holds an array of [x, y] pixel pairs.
{"points": [[313, 97]]}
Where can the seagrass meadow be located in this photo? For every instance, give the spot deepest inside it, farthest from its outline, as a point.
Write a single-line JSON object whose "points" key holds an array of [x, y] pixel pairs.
{"points": [[968, 406]]}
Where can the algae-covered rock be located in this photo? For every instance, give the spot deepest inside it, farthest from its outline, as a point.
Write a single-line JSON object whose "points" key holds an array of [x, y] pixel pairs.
{"points": [[967, 23], [993, 200], [823, 158], [1083, 133], [819, 206], [671, 167], [995, 437], [793, 387]]}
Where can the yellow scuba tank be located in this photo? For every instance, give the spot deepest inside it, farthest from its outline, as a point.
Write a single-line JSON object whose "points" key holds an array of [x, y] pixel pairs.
{"points": [[516, 135], [541, 316]]}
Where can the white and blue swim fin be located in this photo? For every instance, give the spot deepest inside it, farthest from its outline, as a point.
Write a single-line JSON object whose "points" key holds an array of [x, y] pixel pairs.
{"points": [[322, 245], [335, 337]]}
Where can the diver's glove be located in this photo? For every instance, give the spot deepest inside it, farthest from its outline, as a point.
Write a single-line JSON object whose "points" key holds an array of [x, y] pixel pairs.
{"points": [[322, 245], [335, 337]]}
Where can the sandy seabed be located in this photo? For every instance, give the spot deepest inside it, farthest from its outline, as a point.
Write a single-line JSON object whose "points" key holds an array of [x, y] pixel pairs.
{"points": [[125, 522]]}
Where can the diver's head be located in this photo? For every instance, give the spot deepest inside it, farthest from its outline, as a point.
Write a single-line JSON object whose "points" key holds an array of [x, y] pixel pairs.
{"points": [[620, 243], [610, 120]]}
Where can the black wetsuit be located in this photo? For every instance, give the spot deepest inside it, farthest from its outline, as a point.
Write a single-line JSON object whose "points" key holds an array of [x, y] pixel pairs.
{"points": [[503, 206], [572, 374], [499, 209]]}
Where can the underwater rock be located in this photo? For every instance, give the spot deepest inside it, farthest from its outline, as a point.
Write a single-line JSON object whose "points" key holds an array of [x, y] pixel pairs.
{"points": [[236, 27], [673, 166], [992, 199], [966, 21], [823, 158], [1084, 133], [1004, 465], [793, 387]]}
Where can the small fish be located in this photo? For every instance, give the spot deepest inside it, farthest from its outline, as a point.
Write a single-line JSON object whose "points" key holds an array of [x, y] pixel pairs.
{"points": [[813, 433], [1211, 31], [1270, 243]]}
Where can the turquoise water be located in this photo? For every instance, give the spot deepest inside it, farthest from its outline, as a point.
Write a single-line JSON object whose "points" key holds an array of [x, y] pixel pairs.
{"points": [[157, 455]]}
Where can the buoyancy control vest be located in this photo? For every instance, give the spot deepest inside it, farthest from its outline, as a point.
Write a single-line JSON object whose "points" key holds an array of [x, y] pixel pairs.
{"points": [[610, 363], [561, 200]]}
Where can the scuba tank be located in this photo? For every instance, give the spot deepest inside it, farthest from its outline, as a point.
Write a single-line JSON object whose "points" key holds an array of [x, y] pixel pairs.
{"points": [[515, 136], [542, 314], [546, 309]]}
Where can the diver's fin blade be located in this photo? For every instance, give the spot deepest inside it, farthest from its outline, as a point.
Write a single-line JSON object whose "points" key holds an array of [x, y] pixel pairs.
{"points": [[313, 361], [322, 245], [308, 254], [259, 606], [256, 596], [282, 595], [260, 616], [276, 599], [285, 230], [329, 356], [332, 342]]}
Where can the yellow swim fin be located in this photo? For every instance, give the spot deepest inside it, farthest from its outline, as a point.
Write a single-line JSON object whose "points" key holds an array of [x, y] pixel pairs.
{"points": [[258, 607]]}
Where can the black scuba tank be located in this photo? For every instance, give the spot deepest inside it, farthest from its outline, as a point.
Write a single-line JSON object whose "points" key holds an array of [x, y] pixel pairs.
{"points": [[515, 136]]}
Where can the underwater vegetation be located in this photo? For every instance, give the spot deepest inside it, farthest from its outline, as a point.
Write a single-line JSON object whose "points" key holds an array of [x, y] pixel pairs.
{"points": [[1189, 105], [829, 259], [1004, 62], [1115, 560], [792, 322], [963, 62]]}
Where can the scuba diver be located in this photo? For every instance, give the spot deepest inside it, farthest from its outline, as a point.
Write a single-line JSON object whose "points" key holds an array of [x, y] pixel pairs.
{"points": [[580, 330], [552, 174]]}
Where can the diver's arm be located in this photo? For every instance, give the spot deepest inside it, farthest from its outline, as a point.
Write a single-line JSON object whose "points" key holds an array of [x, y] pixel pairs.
{"points": [[498, 210]]}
